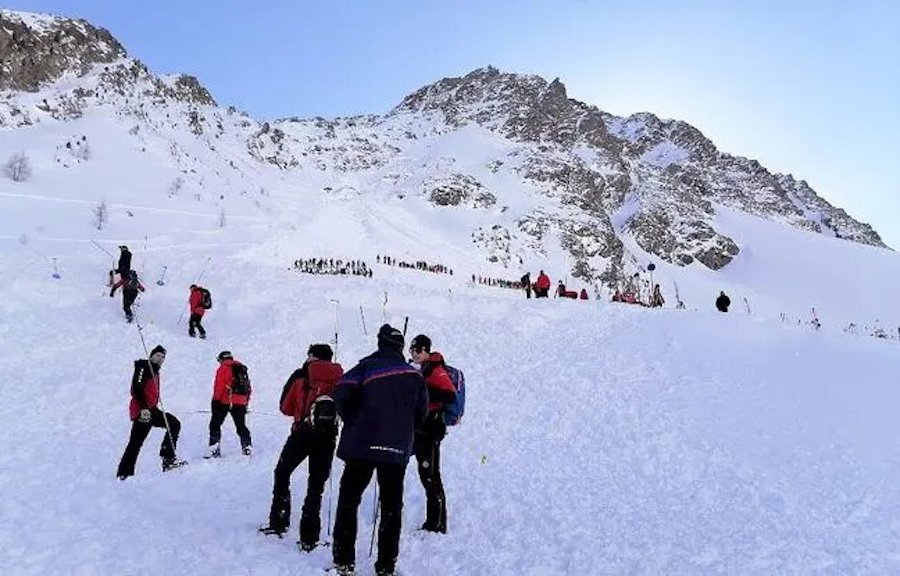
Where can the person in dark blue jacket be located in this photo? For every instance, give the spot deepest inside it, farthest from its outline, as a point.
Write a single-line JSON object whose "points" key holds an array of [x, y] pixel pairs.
{"points": [[381, 401]]}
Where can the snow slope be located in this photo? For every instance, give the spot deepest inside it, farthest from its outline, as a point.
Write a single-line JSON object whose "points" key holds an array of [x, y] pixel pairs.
{"points": [[599, 438]]}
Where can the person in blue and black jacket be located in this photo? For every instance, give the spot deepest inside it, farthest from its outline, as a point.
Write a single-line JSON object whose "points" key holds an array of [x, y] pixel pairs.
{"points": [[381, 401]]}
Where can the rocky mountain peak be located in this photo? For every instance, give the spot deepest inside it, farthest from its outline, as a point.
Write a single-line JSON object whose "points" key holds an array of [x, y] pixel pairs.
{"points": [[36, 48]]}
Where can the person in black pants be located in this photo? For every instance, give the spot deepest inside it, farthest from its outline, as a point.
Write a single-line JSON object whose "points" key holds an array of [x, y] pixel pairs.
{"points": [[227, 398], [381, 400], [145, 416], [130, 286], [427, 443], [307, 398]]}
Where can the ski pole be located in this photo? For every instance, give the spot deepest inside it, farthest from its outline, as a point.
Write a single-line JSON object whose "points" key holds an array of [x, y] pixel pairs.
{"points": [[374, 518], [337, 307], [162, 408], [363, 318], [162, 277], [384, 310], [55, 271], [405, 323], [104, 249]]}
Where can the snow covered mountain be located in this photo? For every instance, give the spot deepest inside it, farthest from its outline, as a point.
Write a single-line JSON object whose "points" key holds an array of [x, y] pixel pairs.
{"points": [[538, 173], [599, 438]]}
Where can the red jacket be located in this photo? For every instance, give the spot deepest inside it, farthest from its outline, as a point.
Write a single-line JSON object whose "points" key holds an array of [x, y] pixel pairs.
{"points": [[543, 282], [584, 294], [440, 388], [222, 386], [144, 387], [195, 302], [124, 282], [316, 378]]}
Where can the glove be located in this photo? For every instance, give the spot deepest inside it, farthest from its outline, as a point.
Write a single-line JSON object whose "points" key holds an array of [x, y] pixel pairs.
{"points": [[144, 417], [111, 294]]}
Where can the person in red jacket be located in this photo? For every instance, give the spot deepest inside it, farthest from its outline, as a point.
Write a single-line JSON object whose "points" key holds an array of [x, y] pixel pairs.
{"points": [[542, 286], [583, 295], [428, 436], [231, 394], [195, 303], [307, 398], [145, 415]]}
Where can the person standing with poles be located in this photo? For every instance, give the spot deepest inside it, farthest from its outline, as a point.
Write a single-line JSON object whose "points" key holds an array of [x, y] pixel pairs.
{"points": [[307, 398], [427, 444], [146, 415], [381, 400], [231, 394]]}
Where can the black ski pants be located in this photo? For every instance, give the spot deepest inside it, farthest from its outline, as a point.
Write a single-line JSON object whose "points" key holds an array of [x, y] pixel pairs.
{"points": [[194, 322], [139, 432], [317, 444], [427, 448], [218, 412], [129, 295], [356, 477]]}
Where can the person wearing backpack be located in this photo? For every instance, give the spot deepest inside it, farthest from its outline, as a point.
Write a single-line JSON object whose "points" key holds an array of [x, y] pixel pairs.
{"points": [[195, 303], [307, 398], [130, 286], [231, 394], [145, 415], [124, 265], [428, 436], [381, 401]]}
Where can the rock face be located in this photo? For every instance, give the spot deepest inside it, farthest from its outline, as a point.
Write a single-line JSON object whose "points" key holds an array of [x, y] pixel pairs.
{"points": [[531, 170], [36, 49]]}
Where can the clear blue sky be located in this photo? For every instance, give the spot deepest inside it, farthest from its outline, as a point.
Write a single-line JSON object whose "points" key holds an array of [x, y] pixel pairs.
{"points": [[809, 87]]}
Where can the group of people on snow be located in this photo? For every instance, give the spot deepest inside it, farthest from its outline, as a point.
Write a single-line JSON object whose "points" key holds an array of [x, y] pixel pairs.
{"points": [[332, 266], [417, 265], [391, 409], [541, 288]]}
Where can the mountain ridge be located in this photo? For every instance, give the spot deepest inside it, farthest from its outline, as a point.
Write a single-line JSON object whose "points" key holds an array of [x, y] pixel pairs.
{"points": [[594, 181]]}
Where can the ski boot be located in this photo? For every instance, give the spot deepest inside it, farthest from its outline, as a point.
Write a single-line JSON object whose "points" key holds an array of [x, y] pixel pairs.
{"points": [[306, 546], [172, 463], [215, 451], [344, 569], [272, 530], [247, 450]]}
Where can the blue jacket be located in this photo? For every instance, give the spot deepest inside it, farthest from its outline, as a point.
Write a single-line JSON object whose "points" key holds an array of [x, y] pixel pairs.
{"points": [[381, 400]]}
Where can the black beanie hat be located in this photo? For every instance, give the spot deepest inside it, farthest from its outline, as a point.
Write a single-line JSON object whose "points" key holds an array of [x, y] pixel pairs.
{"points": [[321, 351], [390, 338], [225, 355], [158, 349], [421, 342]]}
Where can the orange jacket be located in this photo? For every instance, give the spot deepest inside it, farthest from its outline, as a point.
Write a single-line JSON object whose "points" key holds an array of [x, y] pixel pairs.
{"points": [[222, 386]]}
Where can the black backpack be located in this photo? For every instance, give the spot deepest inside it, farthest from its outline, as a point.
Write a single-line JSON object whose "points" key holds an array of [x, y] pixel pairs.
{"points": [[240, 380], [133, 281], [205, 299]]}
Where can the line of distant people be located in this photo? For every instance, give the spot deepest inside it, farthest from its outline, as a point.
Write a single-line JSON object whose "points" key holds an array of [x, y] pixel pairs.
{"points": [[332, 266], [495, 282], [417, 265]]}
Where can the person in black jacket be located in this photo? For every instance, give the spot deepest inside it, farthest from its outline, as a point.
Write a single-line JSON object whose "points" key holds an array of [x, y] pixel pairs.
{"points": [[146, 415], [381, 401], [723, 302], [124, 266]]}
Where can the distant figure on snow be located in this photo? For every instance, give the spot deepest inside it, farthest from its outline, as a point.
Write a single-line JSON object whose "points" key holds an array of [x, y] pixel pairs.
{"points": [[723, 302], [195, 303], [145, 415], [584, 294], [560, 290], [656, 299], [130, 286], [526, 283], [542, 286]]}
